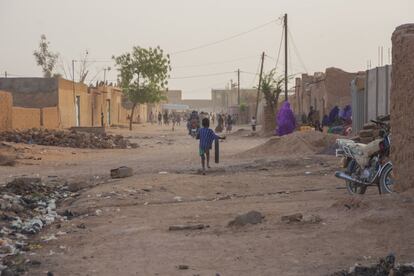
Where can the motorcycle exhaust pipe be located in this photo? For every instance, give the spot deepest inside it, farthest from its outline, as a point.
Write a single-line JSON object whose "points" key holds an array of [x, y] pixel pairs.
{"points": [[344, 176]]}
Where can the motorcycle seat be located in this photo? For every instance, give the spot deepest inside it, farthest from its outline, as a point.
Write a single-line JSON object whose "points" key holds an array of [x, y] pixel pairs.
{"points": [[361, 152]]}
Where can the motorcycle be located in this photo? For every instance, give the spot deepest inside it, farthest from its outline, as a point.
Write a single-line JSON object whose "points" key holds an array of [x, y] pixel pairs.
{"points": [[193, 131], [193, 124], [367, 164]]}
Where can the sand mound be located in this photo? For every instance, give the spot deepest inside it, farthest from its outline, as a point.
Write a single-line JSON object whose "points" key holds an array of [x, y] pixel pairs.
{"points": [[294, 144], [242, 132]]}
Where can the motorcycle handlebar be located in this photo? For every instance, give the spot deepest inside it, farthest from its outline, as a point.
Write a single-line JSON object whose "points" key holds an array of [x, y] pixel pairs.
{"points": [[379, 123]]}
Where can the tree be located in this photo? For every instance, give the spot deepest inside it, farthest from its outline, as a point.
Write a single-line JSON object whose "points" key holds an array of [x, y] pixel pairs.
{"points": [[271, 89], [83, 71], [45, 58], [143, 75]]}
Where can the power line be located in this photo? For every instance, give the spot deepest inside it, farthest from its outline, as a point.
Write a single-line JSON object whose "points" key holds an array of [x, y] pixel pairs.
{"points": [[200, 76], [255, 76], [225, 39], [280, 48], [214, 63], [297, 51], [211, 86], [250, 73]]}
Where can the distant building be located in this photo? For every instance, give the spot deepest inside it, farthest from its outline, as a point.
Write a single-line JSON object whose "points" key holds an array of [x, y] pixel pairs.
{"points": [[222, 101]]}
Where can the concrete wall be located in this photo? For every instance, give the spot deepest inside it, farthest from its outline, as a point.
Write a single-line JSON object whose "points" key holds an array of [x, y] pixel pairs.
{"points": [[402, 103], [32, 92], [377, 92], [371, 93], [6, 114], [24, 118]]}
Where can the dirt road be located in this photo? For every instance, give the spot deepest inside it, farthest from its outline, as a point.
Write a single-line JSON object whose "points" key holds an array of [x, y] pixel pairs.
{"points": [[122, 227]]}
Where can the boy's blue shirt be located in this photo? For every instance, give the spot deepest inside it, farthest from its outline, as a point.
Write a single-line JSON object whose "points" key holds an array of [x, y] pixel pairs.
{"points": [[206, 136]]}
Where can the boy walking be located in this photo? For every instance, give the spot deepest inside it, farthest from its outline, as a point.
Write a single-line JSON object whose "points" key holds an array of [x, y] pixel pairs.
{"points": [[206, 136]]}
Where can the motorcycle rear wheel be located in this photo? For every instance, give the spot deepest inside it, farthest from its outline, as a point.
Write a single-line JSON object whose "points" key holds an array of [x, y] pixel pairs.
{"points": [[353, 188], [387, 181]]}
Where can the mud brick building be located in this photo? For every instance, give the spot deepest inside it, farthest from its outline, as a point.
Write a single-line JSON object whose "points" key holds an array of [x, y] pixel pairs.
{"points": [[59, 103], [402, 104], [6, 102], [322, 91]]}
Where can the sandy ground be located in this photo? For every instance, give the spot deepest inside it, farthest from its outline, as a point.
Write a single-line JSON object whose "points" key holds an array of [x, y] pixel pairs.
{"points": [[121, 226]]}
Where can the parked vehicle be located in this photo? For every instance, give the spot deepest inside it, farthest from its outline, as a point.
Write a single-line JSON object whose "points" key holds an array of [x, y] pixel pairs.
{"points": [[367, 164]]}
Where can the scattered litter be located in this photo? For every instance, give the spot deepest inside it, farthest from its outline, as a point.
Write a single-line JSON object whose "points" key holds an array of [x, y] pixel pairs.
{"points": [[178, 198], [61, 233], [27, 205], [49, 238], [163, 173], [187, 227], [72, 138], [252, 217], [385, 267], [98, 212]]}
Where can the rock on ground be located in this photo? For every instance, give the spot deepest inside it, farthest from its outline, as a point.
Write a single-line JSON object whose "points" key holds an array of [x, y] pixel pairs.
{"points": [[252, 217]]}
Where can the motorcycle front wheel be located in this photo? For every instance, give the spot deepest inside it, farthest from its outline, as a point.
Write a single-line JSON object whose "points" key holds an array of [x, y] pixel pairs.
{"points": [[353, 188], [387, 180]]}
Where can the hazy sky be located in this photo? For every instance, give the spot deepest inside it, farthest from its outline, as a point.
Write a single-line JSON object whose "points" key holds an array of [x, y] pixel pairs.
{"points": [[340, 33]]}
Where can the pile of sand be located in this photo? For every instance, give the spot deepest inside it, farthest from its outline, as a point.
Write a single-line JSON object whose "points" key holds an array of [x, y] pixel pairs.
{"points": [[297, 143], [242, 132]]}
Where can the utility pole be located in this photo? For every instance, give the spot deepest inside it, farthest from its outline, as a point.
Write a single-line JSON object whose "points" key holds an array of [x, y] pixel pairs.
{"points": [[286, 56], [73, 82], [260, 85], [5, 74], [106, 69], [238, 87]]}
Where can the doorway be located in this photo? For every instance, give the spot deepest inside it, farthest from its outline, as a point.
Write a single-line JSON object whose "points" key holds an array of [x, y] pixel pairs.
{"points": [[108, 112], [77, 110]]}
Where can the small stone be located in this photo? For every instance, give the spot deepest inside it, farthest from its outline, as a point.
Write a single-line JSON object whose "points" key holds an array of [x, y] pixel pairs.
{"points": [[252, 217], [292, 218], [183, 267], [35, 262], [122, 172]]}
